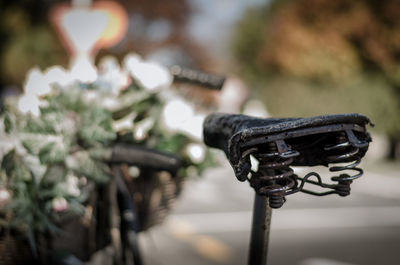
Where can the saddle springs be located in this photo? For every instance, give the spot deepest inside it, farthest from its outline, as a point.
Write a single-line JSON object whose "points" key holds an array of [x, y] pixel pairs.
{"points": [[342, 145]]}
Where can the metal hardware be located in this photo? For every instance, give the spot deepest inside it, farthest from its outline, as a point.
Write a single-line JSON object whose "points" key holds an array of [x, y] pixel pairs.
{"points": [[278, 144], [259, 237], [334, 144], [197, 77]]}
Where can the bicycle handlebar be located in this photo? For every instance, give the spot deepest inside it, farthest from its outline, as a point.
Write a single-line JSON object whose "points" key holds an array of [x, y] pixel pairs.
{"points": [[197, 77], [145, 157]]}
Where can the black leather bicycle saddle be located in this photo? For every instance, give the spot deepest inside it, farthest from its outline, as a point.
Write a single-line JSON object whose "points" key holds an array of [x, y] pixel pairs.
{"points": [[319, 140]]}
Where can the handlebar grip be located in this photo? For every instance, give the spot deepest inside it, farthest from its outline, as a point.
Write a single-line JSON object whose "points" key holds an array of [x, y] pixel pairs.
{"points": [[145, 157], [196, 77]]}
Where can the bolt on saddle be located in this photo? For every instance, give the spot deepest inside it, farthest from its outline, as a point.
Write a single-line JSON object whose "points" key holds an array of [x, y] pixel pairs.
{"points": [[278, 144]]}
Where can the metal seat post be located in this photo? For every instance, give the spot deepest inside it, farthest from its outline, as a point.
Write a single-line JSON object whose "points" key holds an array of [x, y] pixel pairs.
{"points": [[260, 228]]}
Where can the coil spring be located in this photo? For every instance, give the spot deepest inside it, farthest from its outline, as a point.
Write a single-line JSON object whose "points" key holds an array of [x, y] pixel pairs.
{"points": [[344, 180], [274, 177], [343, 150]]}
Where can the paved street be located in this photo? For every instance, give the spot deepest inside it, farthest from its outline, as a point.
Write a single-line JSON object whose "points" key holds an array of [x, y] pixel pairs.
{"points": [[211, 224]]}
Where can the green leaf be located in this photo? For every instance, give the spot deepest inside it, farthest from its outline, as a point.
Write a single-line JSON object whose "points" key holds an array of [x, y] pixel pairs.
{"points": [[82, 163], [54, 174], [96, 127], [53, 152], [134, 101], [172, 143], [8, 125], [75, 207], [33, 142], [69, 99], [32, 242], [9, 162], [15, 167], [43, 125]]}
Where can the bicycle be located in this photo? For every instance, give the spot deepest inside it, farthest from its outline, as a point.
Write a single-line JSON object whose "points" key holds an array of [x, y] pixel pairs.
{"points": [[278, 144], [150, 162], [126, 215]]}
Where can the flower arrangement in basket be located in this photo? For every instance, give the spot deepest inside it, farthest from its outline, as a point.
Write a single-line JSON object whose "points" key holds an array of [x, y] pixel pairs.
{"points": [[57, 139]]}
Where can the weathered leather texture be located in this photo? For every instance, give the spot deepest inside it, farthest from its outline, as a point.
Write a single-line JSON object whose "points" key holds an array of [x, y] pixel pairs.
{"points": [[227, 131]]}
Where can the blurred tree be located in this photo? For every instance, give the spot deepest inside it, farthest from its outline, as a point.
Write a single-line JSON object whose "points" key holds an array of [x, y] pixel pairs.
{"points": [[26, 40], [176, 11], [161, 25], [309, 57]]}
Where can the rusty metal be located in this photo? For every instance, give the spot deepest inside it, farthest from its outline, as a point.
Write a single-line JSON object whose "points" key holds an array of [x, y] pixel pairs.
{"points": [[276, 155], [278, 144]]}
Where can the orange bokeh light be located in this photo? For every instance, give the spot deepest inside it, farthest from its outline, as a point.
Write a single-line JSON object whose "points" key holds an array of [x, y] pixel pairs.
{"points": [[112, 34], [117, 25]]}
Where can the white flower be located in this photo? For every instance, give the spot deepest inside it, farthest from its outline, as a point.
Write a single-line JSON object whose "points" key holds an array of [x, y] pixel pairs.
{"points": [[36, 83], [131, 60], [59, 204], [83, 181], [111, 79], [193, 127], [83, 69], [29, 103], [91, 96], [111, 103], [134, 172], [151, 75], [179, 116], [175, 113], [196, 152], [58, 75], [72, 186], [33, 163], [4, 196], [126, 123], [69, 125], [142, 128]]}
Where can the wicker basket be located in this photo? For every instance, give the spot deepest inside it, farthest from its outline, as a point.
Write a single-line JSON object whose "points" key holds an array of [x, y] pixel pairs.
{"points": [[14, 249], [74, 239], [154, 194]]}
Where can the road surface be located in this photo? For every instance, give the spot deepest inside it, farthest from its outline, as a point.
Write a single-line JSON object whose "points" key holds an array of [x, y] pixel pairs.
{"points": [[211, 224]]}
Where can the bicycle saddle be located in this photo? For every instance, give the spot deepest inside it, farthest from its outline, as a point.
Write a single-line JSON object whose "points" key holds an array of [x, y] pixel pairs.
{"points": [[278, 143]]}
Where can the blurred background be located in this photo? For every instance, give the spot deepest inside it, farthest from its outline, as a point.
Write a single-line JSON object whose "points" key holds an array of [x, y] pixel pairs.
{"points": [[300, 58], [329, 57]]}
